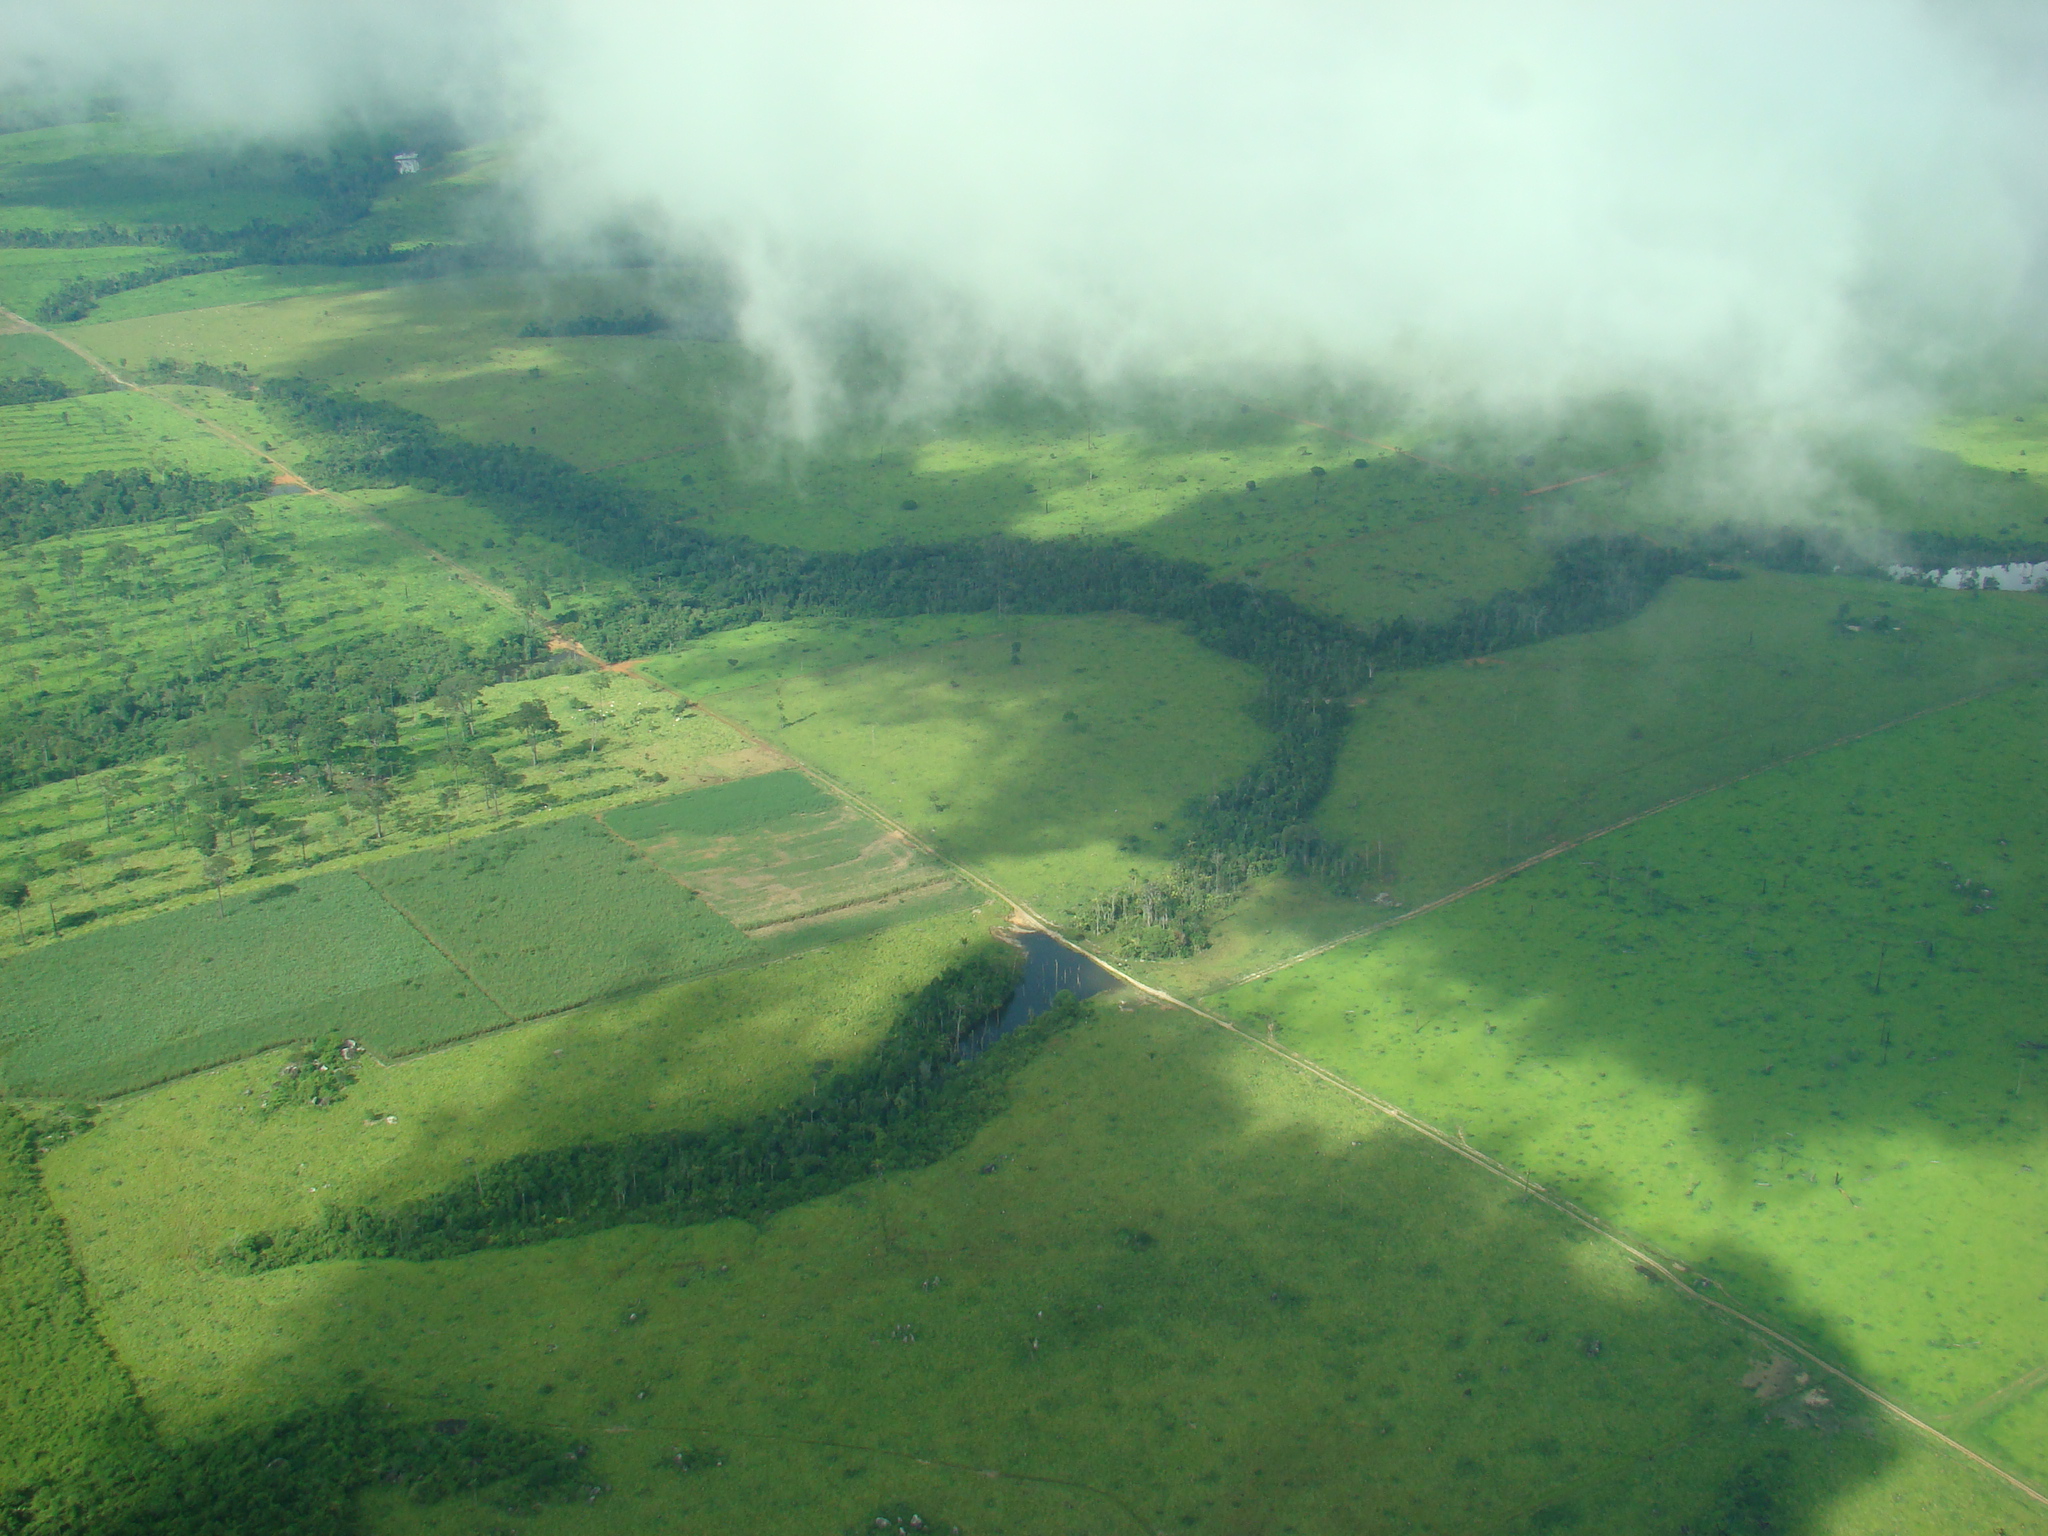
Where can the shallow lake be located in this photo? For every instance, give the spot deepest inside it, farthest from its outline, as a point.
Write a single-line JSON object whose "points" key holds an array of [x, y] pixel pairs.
{"points": [[1050, 968]]}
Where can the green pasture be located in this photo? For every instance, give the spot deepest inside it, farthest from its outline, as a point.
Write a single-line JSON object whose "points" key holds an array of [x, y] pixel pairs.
{"points": [[29, 275], [129, 172], [1395, 537], [551, 916], [114, 1010], [1781, 1031], [774, 849], [776, 649], [157, 601], [1453, 772], [723, 809], [121, 429], [450, 347], [1194, 1291], [1057, 776], [25, 352], [2013, 445], [482, 541]]}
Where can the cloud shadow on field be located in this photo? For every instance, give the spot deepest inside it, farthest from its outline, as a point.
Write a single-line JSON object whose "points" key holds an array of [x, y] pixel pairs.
{"points": [[1189, 1286], [1771, 1031]]}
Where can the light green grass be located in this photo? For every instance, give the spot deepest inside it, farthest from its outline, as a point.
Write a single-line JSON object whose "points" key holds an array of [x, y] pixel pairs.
{"points": [[800, 866], [774, 649], [1397, 537], [24, 352], [68, 439], [554, 916], [1196, 1283], [1765, 1031], [726, 808], [28, 275], [1457, 771], [482, 541], [1032, 773], [132, 172], [111, 1011]]}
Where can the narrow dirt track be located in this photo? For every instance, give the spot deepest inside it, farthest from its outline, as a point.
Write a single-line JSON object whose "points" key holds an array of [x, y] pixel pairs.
{"points": [[1669, 1269]]}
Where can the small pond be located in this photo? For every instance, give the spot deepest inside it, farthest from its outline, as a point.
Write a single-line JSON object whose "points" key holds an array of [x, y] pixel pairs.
{"points": [[1050, 968]]}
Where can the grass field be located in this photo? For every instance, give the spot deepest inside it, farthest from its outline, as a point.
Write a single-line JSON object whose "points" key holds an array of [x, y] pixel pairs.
{"points": [[554, 916], [1458, 771], [111, 1011], [1775, 1031], [1198, 1293], [24, 352], [67, 439], [29, 276], [1057, 776], [774, 849], [722, 811], [78, 175]]}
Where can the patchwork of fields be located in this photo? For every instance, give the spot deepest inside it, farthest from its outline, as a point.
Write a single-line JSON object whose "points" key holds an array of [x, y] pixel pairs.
{"points": [[774, 850], [67, 439], [1055, 755], [306, 780], [415, 949]]}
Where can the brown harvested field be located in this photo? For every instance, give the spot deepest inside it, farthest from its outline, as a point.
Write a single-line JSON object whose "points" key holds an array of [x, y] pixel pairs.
{"points": [[795, 867]]}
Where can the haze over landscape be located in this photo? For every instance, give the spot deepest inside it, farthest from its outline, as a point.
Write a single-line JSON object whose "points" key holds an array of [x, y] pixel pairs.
{"points": [[1022, 769]]}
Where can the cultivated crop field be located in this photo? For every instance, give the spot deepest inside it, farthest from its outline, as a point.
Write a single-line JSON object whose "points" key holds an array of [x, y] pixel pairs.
{"points": [[65, 439], [774, 849], [550, 917], [1057, 775], [126, 842], [114, 1010], [1213, 1296], [1773, 1031]]}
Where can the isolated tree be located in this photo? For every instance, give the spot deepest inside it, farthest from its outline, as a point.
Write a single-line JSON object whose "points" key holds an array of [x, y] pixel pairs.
{"points": [[368, 794], [532, 720], [14, 896], [26, 603], [456, 697], [217, 869]]}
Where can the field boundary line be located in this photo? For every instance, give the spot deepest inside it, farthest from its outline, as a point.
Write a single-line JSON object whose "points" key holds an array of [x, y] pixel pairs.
{"points": [[1665, 1267], [1999, 1398], [420, 929], [833, 786], [1586, 837]]}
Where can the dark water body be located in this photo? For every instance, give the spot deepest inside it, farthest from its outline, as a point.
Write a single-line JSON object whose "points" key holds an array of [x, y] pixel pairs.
{"points": [[1050, 968]]}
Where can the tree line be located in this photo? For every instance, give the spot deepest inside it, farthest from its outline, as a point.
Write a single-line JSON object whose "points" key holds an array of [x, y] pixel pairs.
{"points": [[43, 509], [908, 1103], [343, 185], [685, 582], [112, 1474]]}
